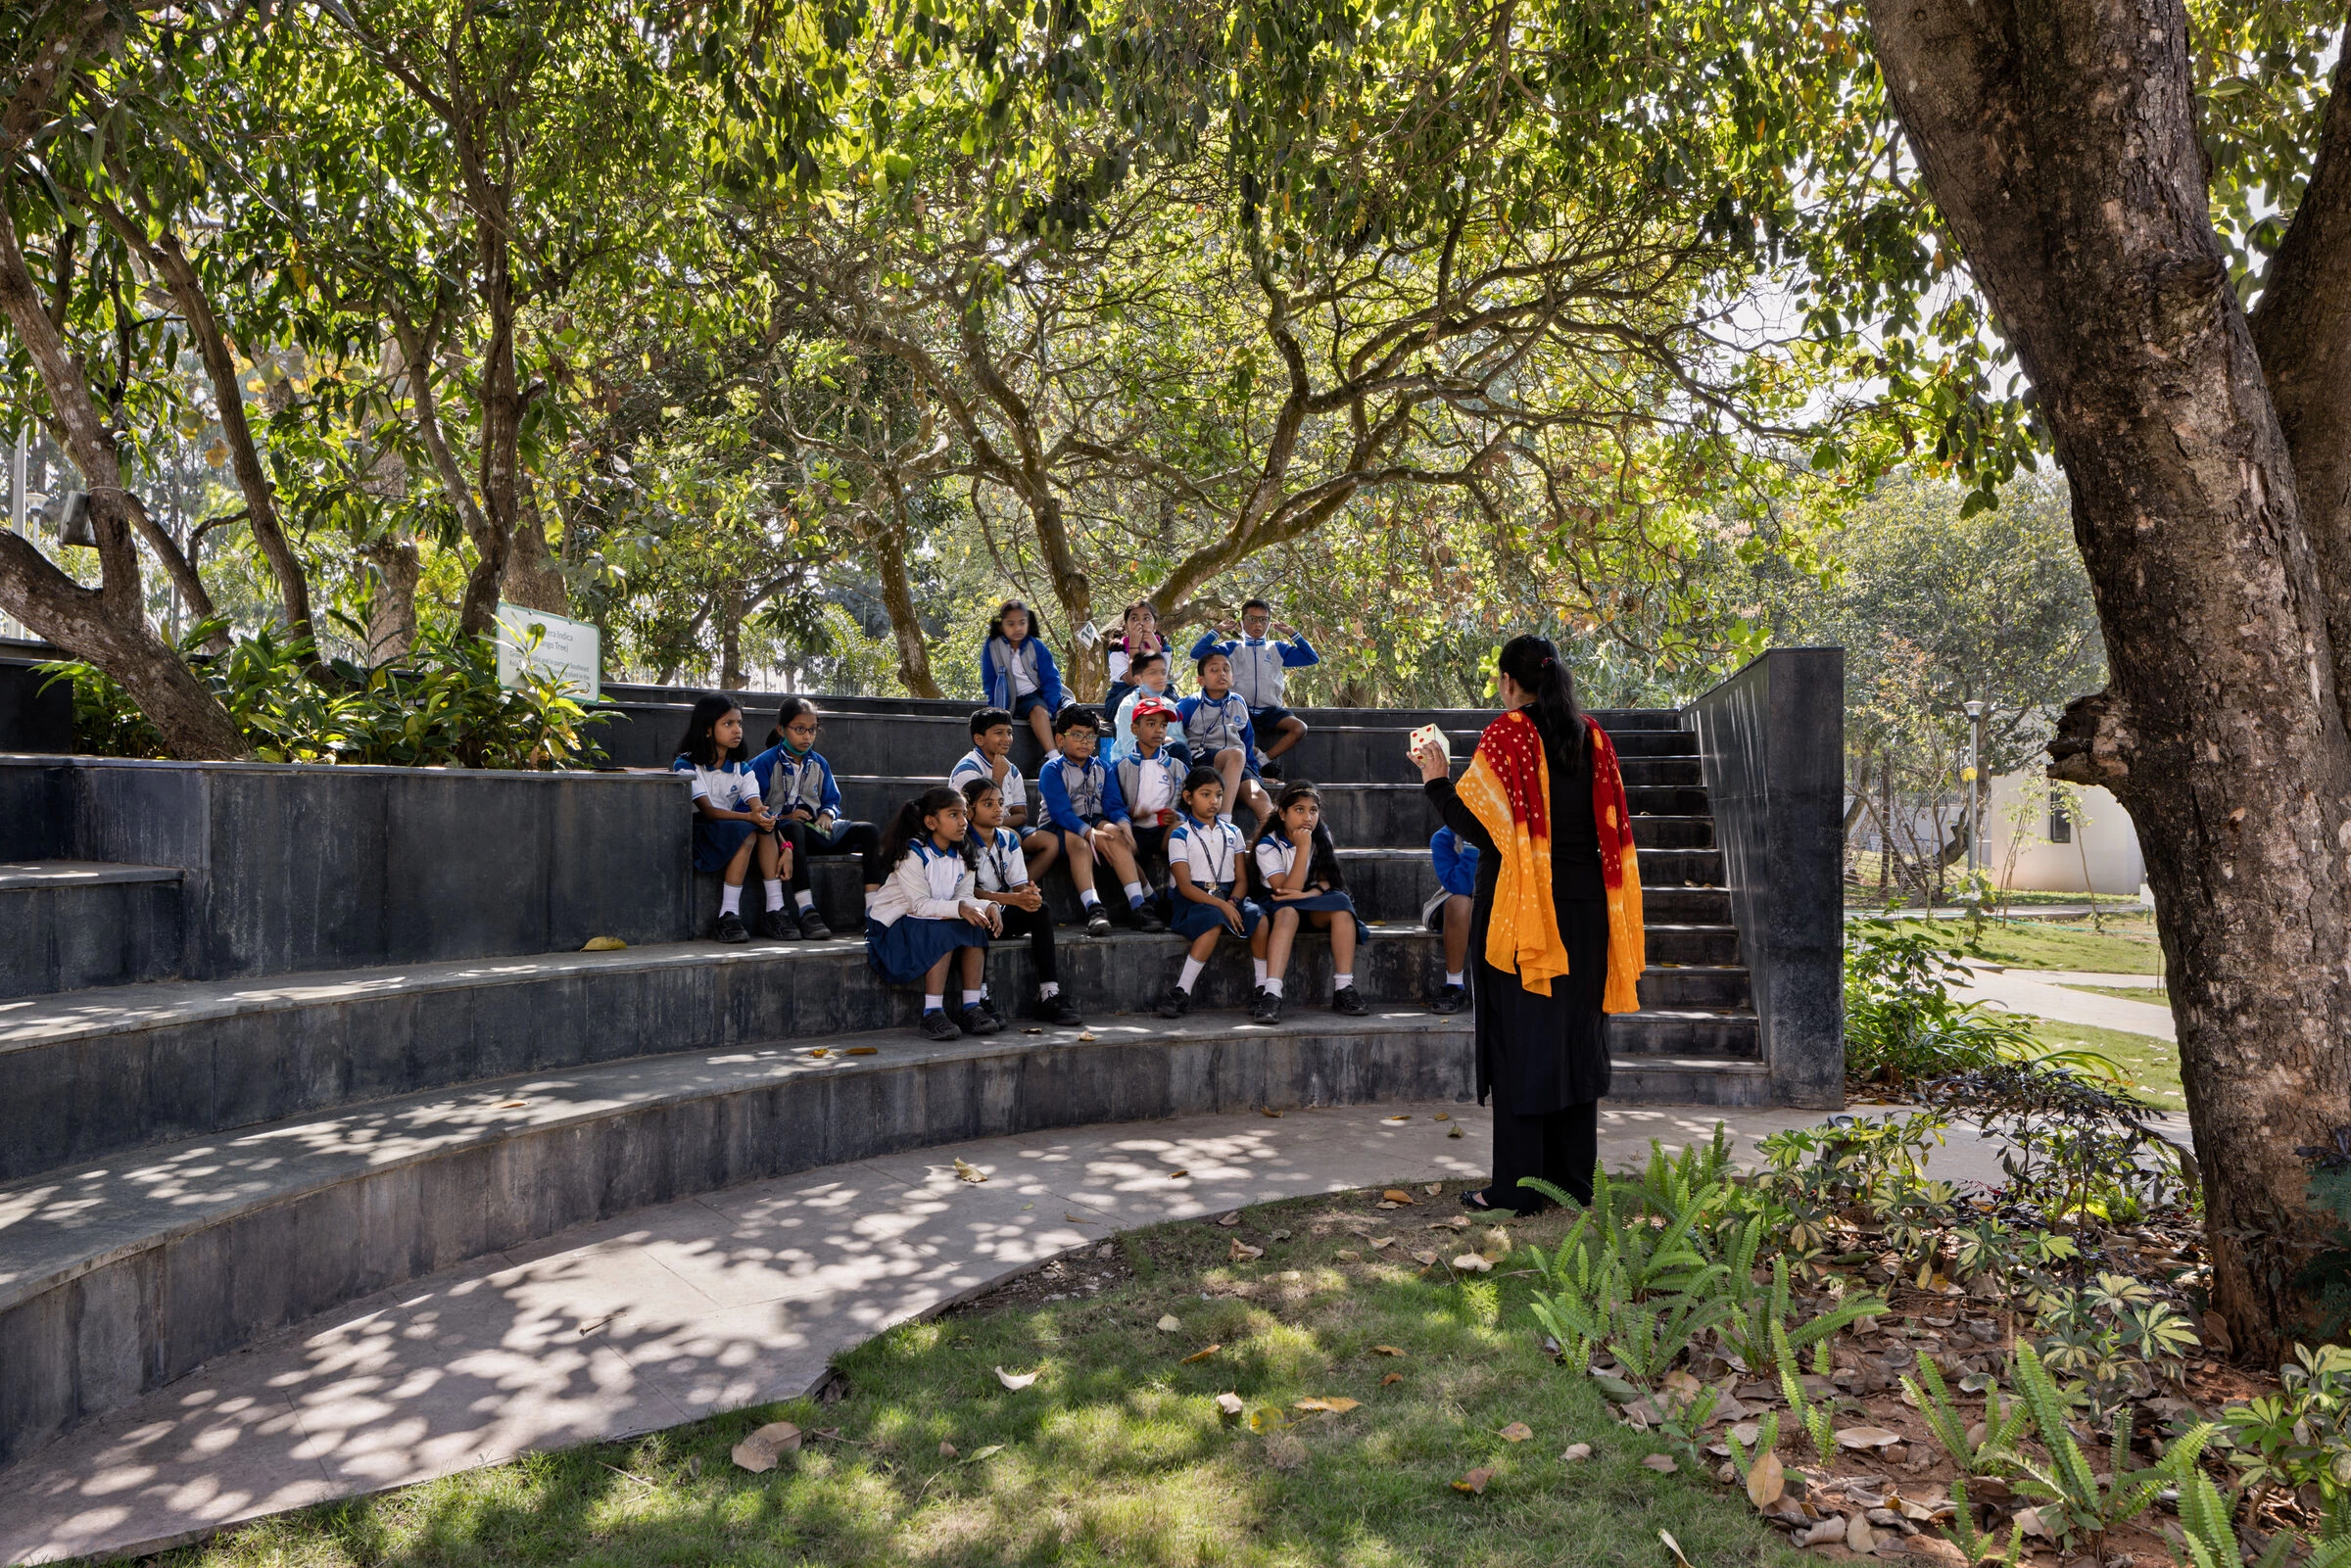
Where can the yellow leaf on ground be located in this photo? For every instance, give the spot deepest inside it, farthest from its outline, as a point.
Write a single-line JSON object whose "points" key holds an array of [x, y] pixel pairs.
{"points": [[1766, 1481], [1178, 1176], [1433, 1188], [1474, 1482], [1336, 1404], [821, 1049], [1270, 1111], [1391, 1377], [1385, 1350], [1455, 1132], [1396, 1118], [1442, 1116], [1200, 1355], [1396, 1195], [758, 1452], [860, 1050], [1014, 1380], [965, 1171], [1516, 1431], [1674, 1547], [603, 944], [1241, 1252], [1472, 1264], [1169, 1323]]}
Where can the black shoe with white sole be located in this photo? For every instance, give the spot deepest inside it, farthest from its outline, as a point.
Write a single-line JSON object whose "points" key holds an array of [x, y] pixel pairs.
{"points": [[731, 928], [1175, 1003], [1350, 1001]]}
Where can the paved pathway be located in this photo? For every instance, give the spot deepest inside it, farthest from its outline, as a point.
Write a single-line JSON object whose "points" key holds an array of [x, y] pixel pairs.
{"points": [[2034, 991], [695, 1308]]}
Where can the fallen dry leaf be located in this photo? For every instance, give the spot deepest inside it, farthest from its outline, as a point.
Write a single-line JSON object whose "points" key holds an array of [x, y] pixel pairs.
{"points": [[1228, 1220], [1391, 1377], [946, 1450], [1014, 1380], [1200, 1355], [1269, 1110], [1396, 1195], [1229, 1404], [1074, 1220], [1867, 1437], [1859, 1539], [819, 1050], [1085, 1034], [1766, 1481], [1674, 1547], [1241, 1252], [513, 1105], [1661, 1463], [603, 944], [1474, 1482], [1378, 1241], [1178, 1176], [965, 1171], [861, 1050], [1169, 1323], [1425, 1259], [1456, 1222], [1336, 1404], [1433, 1188], [1455, 1132], [1396, 1118], [1516, 1431], [1385, 1350], [1576, 1451], [1441, 1117], [758, 1452], [1473, 1263]]}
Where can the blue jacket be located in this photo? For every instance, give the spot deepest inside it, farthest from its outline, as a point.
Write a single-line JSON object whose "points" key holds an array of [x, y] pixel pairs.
{"points": [[995, 679], [786, 782], [1095, 780], [1259, 664], [1223, 721], [1456, 862]]}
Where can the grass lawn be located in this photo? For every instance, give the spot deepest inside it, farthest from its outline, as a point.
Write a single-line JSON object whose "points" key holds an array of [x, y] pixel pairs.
{"points": [[2127, 945], [1119, 1454], [2150, 1064], [2154, 996]]}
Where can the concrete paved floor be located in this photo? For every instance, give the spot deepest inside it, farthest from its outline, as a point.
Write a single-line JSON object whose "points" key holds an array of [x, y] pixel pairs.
{"points": [[2039, 993], [696, 1307]]}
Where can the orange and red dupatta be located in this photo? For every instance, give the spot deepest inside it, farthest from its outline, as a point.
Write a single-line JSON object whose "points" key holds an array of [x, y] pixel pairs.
{"points": [[1507, 788]]}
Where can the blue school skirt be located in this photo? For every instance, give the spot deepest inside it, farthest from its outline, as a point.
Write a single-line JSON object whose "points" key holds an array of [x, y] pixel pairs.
{"points": [[904, 951], [1192, 921], [1331, 902], [716, 842]]}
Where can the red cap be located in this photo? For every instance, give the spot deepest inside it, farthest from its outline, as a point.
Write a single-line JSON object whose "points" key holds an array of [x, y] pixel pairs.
{"points": [[1144, 705]]}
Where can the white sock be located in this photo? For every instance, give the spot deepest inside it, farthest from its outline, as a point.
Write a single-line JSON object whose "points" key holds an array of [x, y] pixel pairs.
{"points": [[972, 998], [1453, 976], [1134, 894], [1257, 967], [934, 1001], [774, 892], [730, 899], [1049, 989], [1089, 898], [1191, 972], [1273, 987], [1340, 983], [805, 899]]}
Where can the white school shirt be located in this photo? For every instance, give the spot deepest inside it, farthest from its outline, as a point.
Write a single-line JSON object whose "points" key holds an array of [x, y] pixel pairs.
{"points": [[1155, 793], [730, 786], [1274, 858], [1213, 849], [1002, 865], [1024, 681], [928, 883], [975, 765]]}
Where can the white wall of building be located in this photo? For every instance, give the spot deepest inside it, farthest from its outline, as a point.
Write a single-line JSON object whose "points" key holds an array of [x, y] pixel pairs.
{"points": [[2051, 854]]}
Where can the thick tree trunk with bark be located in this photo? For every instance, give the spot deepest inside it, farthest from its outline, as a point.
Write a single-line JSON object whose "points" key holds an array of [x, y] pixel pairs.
{"points": [[534, 580], [391, 616], [888, 548], [2058, 138]]}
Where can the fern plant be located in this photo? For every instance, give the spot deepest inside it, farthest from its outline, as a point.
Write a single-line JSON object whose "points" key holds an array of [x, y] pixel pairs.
{"points": [[2083, 1506], [1973, 1544], [1813, 1418], [1757, 1326], [2003, 1423]]}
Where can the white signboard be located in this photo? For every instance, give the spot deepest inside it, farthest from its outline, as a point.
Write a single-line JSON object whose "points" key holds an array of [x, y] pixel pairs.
{"points": [[552, 644]]}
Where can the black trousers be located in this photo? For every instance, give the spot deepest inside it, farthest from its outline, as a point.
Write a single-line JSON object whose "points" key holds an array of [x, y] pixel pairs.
{"points": [[860, 838], [1559, 1146], [1150, 851], [1037, 926]]}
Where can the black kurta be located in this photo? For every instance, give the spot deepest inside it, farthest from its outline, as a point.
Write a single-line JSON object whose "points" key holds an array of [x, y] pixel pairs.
{"points": [[1541, 1053]]}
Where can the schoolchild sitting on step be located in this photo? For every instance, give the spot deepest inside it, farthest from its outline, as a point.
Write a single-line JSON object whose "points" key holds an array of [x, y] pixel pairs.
{"points": [[1207, 867], [1017, 672], [797, 784], [731, 822], [991, 758], [1018, 904], [1152, 680], [1079, 799], [1301, 884], [1449, 911], [925, 917], [1216, 723], [1261, 667], [1138, 635], [1149, 781]]}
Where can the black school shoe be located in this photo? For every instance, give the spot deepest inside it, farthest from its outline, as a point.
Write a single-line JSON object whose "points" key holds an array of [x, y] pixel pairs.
{"points": [[1175, 1003], [730, 928], [1097, 921], [936, 1026], [981, 1019], [777, 927], [1449, 999], [1350, 1001], [812, 926], [1139, 917], [1057, 1010], [1270, 769], [1265, 1008]]}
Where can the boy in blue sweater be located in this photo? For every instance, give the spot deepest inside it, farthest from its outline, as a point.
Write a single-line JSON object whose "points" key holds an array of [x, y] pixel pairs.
{"points": [[1261, 666], [1078, 797], [1215, 725], [1456, 860]]}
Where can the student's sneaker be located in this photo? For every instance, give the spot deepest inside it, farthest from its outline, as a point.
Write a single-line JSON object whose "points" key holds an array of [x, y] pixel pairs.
{"points": [[777, 927], [936, 1026], [731, 928], [1097, 921], [1175, 1003], [812, 926], [1270, 769], [1265, 1008], [1449, 999], [1139, 917], [1349, 1002], [1057, 1010], [981, 1019]]}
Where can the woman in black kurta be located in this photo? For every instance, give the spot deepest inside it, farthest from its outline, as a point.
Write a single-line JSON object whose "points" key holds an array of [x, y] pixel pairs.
{"points": [[1544, 1058]]}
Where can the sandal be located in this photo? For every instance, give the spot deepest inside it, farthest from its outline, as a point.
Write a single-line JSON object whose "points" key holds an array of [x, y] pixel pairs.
{"points": [[1477, 1203]]}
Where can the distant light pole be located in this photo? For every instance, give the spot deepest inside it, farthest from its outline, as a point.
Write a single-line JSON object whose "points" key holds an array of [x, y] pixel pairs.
{"points": [[1975, 779]]}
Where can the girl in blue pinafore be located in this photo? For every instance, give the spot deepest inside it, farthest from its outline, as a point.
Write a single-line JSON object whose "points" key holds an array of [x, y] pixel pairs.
{"points": [[923, 917], [1207, 870], [1298, 869], [732, 824]]}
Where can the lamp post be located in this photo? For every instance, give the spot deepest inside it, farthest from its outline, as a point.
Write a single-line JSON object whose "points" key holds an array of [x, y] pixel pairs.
{"points": [[1975, 779]]}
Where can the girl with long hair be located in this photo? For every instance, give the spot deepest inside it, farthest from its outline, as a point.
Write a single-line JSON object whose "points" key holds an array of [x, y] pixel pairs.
{"points": [[1138, 635], [1018, 673], [732, 824], [797, 784], [1554, 954], [1208, 869], [925, 917], [1011, 894], [1298, 867]]}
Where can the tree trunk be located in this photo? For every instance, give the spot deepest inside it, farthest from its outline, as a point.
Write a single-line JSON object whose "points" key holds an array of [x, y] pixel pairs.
{"points": [[392, 617], [2058, 139], [887, 543], [730, 640], [501, 427], [534, 580]]}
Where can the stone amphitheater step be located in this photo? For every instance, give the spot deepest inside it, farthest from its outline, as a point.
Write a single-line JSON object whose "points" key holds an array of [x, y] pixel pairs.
{"points": [[242, 1234], [70, 923], [94, 1074]]}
